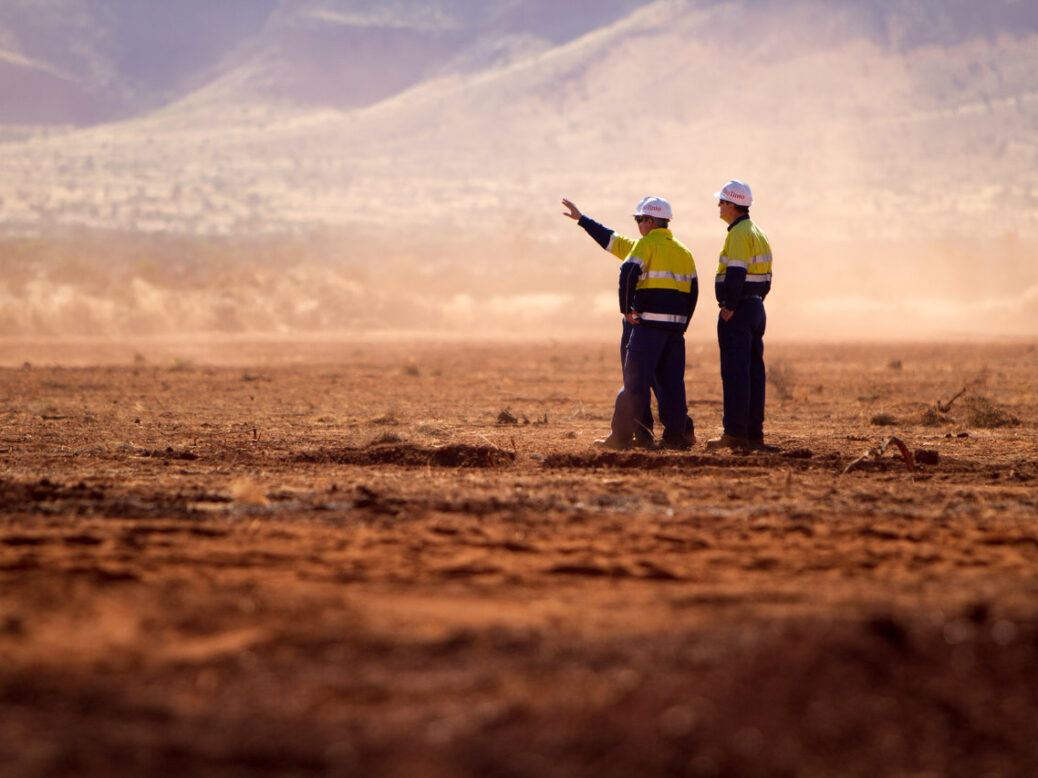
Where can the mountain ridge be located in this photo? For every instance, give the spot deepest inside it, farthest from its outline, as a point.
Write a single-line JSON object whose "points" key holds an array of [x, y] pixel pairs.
{"points": [[120, 59], [940, 132]]}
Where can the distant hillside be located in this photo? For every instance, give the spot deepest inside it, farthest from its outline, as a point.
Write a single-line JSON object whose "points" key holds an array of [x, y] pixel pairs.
{"points": [[891, 144], [825, 103], [117, 58], [109, 59]]}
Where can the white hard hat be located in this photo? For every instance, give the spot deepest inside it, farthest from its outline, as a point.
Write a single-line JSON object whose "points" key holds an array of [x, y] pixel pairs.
{"points": [[736, 192], [654, 206]]}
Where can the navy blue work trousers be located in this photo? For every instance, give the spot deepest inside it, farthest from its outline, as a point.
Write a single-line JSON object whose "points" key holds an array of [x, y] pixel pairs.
{"points": [[643, 423], [654, 355], [741, 340]]}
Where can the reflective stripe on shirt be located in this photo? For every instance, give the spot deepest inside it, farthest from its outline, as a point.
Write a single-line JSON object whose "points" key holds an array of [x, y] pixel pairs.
{"points": [[664, 317], [675, 277]]}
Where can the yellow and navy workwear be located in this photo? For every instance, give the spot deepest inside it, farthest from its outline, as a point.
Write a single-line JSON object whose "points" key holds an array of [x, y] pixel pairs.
{"points": [[657, 278], [743, 281], [744, 270]]}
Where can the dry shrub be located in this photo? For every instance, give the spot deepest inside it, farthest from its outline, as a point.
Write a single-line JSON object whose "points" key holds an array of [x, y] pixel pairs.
{"points": [[981, 412], [386, 420], [506, 417], [434, 429], [894, 364], [883, 420], [931, 417], [782, 380], [385, 438]]}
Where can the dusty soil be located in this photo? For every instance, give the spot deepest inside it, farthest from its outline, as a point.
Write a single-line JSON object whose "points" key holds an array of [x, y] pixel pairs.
{"points": [[336, 560]]}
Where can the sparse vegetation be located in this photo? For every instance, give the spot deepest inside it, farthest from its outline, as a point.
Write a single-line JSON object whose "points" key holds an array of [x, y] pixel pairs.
{"points": [[386, 437], [932, 417], [981, 412], [781, 380], [434, 430], [883, 420]]}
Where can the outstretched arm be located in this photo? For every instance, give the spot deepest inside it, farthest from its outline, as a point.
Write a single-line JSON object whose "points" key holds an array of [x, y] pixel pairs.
{"points": [[617, 245]]}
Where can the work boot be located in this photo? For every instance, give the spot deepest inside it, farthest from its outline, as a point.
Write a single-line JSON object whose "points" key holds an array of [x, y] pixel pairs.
{"points": [[676, 444], [690, 432], [614, 443], [758, 444], [644, 441], [728, 441]]}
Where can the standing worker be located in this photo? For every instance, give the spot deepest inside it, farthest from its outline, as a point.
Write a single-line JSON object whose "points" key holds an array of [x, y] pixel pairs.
{"points": [[619, 246], [658, 291], [743, 281]]}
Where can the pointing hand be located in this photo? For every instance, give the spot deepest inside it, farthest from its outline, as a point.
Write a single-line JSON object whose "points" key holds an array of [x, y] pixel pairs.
{"points": [[574, 212]]}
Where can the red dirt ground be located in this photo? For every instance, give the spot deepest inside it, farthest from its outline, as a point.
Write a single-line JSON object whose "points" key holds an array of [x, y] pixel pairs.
{"points": [[327, 559]]}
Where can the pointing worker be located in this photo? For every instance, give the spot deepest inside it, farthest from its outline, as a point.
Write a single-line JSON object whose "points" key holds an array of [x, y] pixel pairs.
{"points": [[658, 291], [619, 246], [743, 281]]}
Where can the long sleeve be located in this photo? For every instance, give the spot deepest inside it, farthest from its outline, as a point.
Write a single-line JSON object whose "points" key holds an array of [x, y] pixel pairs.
{"points": [[733, 283], [630, 271], [598, 232], [616, 244], [693, 299]]}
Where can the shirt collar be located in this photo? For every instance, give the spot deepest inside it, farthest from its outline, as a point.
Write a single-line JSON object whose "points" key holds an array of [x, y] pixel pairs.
{"points": [[744, 217]]}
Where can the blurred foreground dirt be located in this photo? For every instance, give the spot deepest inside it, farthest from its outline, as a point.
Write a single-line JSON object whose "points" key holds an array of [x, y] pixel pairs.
{"points": [[349, 560]]}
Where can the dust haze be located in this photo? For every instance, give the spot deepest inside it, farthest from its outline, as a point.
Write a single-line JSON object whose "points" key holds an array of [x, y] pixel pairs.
{"points": [[302, 368], [329, 168]]}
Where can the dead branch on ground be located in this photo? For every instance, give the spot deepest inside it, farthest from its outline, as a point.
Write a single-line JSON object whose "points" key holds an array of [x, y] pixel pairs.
{"points": [[945, 407], [879, 451]]}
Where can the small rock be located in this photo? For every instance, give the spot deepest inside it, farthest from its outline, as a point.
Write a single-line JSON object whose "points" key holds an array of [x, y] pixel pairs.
{"points": [[927, 456], [799, 453]]}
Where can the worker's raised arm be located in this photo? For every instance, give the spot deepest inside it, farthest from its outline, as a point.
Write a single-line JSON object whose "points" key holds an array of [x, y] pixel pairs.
{"points": [[615, 244]]}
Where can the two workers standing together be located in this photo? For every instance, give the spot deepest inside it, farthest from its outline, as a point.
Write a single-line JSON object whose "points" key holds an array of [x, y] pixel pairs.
{"points": [[658, 292]]}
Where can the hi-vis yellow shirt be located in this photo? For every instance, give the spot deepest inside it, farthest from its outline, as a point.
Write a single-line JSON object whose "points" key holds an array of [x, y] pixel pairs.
{"points": [[657, 275], [744, 269], [663, 293]]}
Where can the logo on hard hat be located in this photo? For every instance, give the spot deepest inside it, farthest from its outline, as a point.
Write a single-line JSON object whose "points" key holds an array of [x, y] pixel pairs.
{"points": [[654, 206], [737, 192]]}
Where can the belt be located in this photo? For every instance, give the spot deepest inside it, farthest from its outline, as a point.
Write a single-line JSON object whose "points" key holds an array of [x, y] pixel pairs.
{"points": [[751, 297]]}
